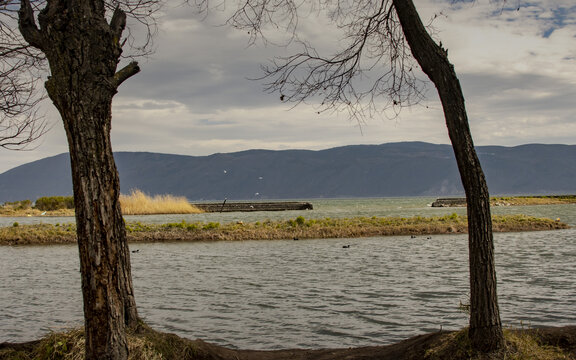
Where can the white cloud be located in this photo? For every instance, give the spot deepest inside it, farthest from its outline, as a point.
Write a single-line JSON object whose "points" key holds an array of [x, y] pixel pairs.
{"points": [[193, 95]]}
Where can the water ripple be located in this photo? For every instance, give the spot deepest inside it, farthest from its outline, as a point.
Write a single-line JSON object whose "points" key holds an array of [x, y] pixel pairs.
{"points": [[307, 293]]}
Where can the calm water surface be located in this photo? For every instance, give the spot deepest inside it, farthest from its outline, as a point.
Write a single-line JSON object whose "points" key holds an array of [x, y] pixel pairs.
{"points": [[307, 293]]}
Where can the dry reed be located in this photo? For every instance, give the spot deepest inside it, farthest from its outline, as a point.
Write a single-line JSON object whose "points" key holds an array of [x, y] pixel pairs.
{"points": [[138, 203]]}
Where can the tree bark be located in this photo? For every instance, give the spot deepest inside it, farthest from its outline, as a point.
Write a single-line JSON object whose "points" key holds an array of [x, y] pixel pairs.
{"points": [[83, 51], [485, 330]]}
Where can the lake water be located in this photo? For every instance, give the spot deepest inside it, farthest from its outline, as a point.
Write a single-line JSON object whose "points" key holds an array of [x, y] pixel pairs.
{"points": [[307, 293]]}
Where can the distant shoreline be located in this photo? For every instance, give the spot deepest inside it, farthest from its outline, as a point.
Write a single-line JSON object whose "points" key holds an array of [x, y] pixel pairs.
{"points": [[294, 229], [526, 200]]}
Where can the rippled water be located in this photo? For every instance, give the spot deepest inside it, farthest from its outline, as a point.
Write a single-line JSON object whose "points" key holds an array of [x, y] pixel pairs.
{"points": [[307, 293]]}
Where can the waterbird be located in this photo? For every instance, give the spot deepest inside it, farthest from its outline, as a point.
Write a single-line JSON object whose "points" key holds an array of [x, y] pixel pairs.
{"points": [[136, 251], [346, 247]]}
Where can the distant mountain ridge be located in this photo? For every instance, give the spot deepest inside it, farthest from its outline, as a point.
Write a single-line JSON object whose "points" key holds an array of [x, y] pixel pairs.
{"points": [[387, 170]]}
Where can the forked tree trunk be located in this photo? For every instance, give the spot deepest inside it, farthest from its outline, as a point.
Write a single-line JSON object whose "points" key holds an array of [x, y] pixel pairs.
{"points": [[485, 326], [83, 51]]}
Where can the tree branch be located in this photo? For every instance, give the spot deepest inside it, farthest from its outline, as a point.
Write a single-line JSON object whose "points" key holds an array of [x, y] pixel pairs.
{"points": [[118, 22], [370, 75], [28, 27], [17, 135], [125, 73]]}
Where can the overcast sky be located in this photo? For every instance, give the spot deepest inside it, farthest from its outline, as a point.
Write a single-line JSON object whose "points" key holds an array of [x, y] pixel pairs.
{"points": [[193, 97]]}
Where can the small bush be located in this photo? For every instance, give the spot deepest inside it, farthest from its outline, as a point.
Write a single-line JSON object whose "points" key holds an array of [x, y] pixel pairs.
{"points": [[211, 225], [18, 205], [192, 227], [50, 203]]}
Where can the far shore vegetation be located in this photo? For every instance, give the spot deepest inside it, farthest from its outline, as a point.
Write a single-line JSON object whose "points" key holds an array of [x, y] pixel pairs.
{"points": [[139, 203], [296, 229], [136, 203], [532, 200]]}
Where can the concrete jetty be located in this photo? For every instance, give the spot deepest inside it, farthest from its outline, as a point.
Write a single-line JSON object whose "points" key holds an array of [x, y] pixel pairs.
{"points": [[449, 202], [226, 206]]}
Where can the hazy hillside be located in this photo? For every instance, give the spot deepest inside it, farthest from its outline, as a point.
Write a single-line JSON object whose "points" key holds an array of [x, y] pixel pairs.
{"points": [[396, 169]]}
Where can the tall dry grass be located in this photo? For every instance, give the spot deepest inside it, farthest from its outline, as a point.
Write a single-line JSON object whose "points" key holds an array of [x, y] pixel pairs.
{"points": [[520, 344], [138, 203]]}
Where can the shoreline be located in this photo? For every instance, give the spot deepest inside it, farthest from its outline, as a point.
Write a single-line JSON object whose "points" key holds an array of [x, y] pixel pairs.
{"points": [[522, 344], [293, 229], [528, 200]]}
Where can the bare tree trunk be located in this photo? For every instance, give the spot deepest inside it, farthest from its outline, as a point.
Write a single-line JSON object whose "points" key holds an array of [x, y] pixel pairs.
{"points": [[485, 326], [101, 238], [83, 51]]}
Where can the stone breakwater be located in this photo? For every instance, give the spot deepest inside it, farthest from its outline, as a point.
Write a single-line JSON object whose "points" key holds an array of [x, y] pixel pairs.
{"points": [[449, 202], [254, 206]]}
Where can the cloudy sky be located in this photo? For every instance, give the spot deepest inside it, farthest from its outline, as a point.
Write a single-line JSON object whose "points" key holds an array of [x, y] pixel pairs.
{"points": [[194, 97]]}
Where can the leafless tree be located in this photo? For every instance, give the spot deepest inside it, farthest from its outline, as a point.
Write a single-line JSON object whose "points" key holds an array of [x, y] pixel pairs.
{"points": [[82, 43], [385, 42], [20, 124]]}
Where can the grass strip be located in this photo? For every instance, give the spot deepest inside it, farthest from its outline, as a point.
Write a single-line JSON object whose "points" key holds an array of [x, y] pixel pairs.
{"points": [[298, 228], [532, 200]]}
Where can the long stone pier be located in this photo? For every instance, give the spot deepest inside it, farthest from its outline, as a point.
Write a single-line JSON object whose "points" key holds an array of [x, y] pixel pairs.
{"points": [[226, 206]]}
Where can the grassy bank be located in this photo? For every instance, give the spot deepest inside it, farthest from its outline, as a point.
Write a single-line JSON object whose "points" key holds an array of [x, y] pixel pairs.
{"points": [[298, 228], [148, 344], [532, 200], [34, 212]]}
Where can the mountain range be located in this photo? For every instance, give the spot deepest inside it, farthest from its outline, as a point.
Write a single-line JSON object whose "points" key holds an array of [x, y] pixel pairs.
{"points": [[387, 170]]}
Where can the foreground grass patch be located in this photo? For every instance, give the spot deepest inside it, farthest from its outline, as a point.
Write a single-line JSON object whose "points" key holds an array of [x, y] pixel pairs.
{"points": [[298, 228], [143, 344], [520, 345], [147, 344]]}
